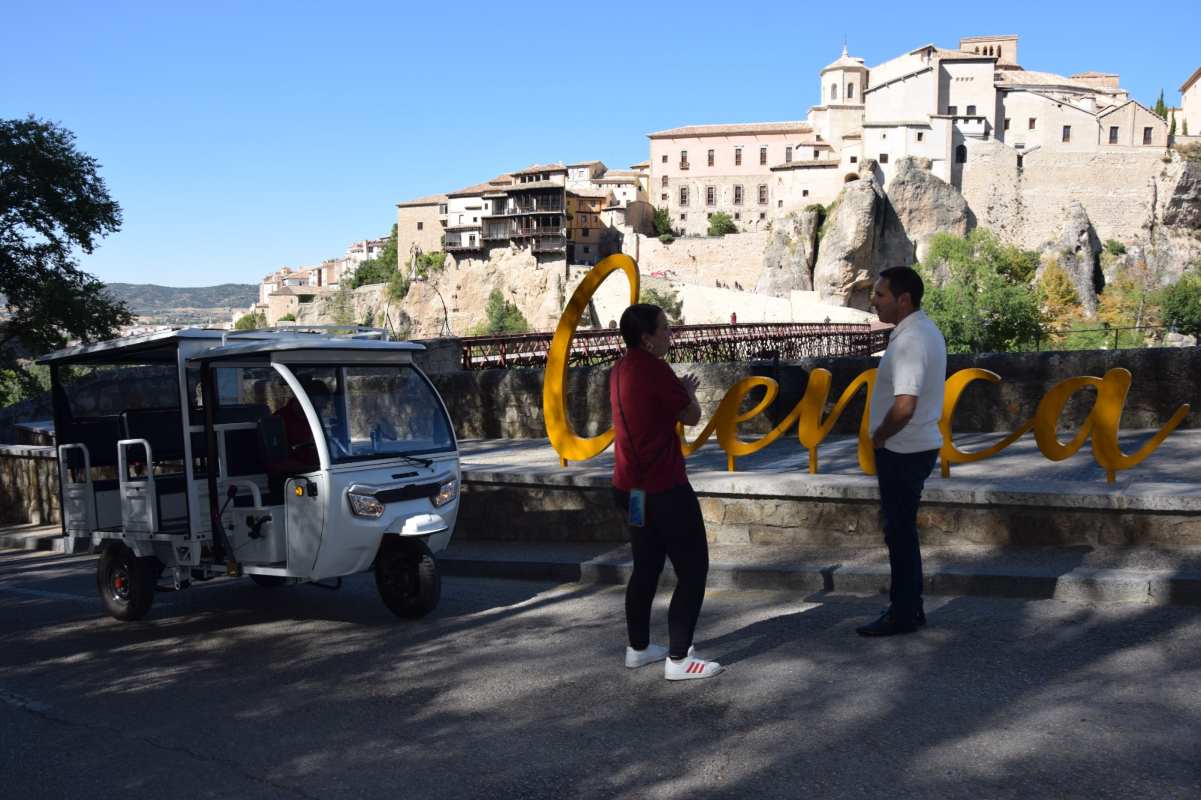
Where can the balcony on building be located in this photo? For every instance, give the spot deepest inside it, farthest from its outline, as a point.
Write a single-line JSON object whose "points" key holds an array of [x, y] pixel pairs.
{"points": [[461, 242], [549, 244], [537, 203], [497, 231]]}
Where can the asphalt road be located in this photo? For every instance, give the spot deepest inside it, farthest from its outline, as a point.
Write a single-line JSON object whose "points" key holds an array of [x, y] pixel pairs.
{"points": [[517, 690]]}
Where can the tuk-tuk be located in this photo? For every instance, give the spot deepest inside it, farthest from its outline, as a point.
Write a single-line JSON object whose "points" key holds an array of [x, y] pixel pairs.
{"points": [[285, 456]]}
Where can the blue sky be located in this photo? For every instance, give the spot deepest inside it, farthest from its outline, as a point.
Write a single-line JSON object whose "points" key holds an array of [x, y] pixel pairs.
{"points": [[240, 137]]}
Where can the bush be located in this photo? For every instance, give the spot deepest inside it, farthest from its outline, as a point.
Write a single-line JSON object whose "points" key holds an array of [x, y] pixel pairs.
{"points": [[666, 238], [430, 263], [251, 321], [1114, 247], [398, 286], [1181, 305], [501, 316], [287, 318], [720, 224], [662, 223], [370, 272], [669, 301]]}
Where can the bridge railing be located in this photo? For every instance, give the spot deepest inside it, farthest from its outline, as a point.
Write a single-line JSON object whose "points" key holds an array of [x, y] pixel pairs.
{"points": [[786, 341]]}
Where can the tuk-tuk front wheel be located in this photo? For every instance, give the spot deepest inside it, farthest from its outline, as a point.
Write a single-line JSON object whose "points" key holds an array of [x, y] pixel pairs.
{"points": [[407, 577], [126, 582]]}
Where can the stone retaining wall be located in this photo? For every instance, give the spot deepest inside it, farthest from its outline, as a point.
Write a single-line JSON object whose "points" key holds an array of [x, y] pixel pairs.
{"points": [[28, 486], [508, 403]]}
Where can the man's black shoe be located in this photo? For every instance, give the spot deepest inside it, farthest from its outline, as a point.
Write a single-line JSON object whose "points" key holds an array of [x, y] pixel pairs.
{"points": [[886, 625]]}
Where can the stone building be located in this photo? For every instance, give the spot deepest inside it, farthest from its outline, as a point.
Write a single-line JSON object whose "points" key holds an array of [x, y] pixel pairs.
{"points": [[420, 223], [1189, 120], [586, 227]]}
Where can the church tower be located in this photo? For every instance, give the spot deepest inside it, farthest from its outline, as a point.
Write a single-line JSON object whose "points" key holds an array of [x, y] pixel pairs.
{"points": [[840, 110]]}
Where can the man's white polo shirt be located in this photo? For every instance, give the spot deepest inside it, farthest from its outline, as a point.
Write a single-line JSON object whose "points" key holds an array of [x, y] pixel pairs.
{"points": [[915, 362]]}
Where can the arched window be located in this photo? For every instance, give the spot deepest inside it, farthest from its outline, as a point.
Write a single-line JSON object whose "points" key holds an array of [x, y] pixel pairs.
{"points": [[961, 154], [850, 91], [998, 51], [833, 91]]}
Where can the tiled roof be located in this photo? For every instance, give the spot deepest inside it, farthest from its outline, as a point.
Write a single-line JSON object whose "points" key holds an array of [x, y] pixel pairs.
{"points": [[1026, 77], [641, 165], [808, 164], [499, 183], [428, 200], [556, 167], [586, 164], [732, 129]]}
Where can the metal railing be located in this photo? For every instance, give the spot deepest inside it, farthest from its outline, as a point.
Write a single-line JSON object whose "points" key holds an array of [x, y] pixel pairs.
{"points": [[785, 341], [1121, 337]]}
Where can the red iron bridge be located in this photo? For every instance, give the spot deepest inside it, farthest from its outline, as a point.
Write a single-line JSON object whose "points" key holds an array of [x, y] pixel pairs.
{"points": [[783, 341]]}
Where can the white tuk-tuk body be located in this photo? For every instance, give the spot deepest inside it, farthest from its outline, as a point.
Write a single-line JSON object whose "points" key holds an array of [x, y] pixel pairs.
{"points": [[316, 456]]}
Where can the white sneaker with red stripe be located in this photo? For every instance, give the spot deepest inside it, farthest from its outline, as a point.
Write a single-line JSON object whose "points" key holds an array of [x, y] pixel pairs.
{"points": [[640, 658], [690, 668]]}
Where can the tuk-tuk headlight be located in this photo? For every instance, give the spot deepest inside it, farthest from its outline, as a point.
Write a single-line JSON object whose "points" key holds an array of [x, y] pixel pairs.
{"points": [[446, 492], [364, 505]]}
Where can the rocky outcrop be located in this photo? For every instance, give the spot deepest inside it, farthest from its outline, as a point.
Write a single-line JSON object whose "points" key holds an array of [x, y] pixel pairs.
{"points": [[846, 265], [919, 206], [1078, 252], [790, 254]]}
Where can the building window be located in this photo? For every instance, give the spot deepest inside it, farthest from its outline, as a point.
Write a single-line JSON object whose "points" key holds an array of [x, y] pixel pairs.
{"points": [[1032, 123], [420, 226], [683, 195], [961, 154], [710, 158], [737, 215], [710, 196], [664, 158], [762, 215], [1067, 133], [683, 217], [850, 91], [1113, 134], [1147, 135], [998, 51], [1007, 123], [738, 156], [971, 111], [920, 135], [663, 197], [787, 155], [663, 181], [854, 159], [779, 204], [762, 156], [952, 110], [683, 159], [584, 233], [738, 195], [816, 155], [883, 158], [834, 91], [763, 194], [804, 192]]}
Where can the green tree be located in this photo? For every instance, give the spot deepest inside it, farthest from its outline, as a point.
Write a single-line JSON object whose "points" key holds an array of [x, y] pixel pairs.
{"points": [[287, 318], [1061, 304], [662, 223], [1161, 107], [1184, 127], [1114, 247], [398, 285], [341, 307], [501, 316], [720, 224], [668, 300], [1172, 125], [53, 203], [1181, 304], [252, 321], [979, 295], [379, 269], [430, 263]]}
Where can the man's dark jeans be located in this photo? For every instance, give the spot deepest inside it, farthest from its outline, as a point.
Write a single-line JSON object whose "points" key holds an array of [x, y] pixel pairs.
{"points": [[901, 477]]}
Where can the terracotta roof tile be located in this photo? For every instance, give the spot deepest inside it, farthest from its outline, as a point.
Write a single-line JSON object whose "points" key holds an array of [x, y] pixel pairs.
{"points": [[732, 129]]}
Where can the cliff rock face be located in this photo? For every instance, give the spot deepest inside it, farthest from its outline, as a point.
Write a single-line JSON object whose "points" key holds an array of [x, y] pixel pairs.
{"points": [[790, 254], [919, 206], [1078, 251], [846, 265]]}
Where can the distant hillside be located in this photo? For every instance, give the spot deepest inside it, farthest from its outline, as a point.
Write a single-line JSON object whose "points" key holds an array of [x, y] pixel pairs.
{"points": [[147, 299]]}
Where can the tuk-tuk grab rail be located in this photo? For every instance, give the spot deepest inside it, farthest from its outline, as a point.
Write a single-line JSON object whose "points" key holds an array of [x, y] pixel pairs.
{"points": [[254, 489], [87, 462]]}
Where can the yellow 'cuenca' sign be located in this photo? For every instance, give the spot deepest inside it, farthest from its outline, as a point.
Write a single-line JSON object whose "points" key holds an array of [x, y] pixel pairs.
{"points": [[1101, 425]]}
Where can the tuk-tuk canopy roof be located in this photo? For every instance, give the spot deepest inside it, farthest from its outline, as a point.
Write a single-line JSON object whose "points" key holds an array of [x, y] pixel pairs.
{"points": [[162, 347], [243, 349]]}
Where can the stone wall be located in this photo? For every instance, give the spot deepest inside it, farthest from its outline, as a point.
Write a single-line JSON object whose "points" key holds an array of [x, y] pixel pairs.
{"points": [[28, 486], [508, 403], [736, 258]]}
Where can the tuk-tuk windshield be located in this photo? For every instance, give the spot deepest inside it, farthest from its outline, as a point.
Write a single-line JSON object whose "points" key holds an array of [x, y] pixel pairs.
{"points": [[376, 411]]}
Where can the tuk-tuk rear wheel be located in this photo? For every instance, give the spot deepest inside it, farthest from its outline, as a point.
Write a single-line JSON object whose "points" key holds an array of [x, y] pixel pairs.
{"points": [[407, 578], [126, 582]]}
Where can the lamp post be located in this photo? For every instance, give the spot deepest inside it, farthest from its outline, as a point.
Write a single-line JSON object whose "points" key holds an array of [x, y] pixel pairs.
{"points": [[445, 316]]}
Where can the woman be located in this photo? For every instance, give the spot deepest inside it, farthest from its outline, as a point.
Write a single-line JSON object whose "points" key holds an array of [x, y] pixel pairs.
{"points": [[664, 517]]}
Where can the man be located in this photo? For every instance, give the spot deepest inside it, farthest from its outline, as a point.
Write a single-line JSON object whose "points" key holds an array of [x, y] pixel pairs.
{"points": [[906, 405]]}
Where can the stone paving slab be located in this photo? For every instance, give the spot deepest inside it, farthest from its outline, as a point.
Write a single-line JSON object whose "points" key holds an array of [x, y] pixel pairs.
{"points": [[1126, 575], [30, 537], [1169, 480]]}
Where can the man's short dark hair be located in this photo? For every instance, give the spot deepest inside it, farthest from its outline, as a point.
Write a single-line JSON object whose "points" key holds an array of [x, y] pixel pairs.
{"points": [[638, 319], [905, 280]]}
